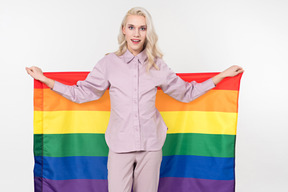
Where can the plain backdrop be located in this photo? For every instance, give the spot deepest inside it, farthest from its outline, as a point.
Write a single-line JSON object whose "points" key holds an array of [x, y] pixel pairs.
{"points": [[195, 36]]}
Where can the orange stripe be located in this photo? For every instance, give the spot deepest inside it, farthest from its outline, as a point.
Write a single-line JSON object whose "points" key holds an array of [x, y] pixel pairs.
{"points": [[55, 102], [214, 100], [38, 99]]}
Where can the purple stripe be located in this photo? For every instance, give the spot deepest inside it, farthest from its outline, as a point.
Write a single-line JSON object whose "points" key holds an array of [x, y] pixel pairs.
{"points": [[38, 184], [172, 184], [73, 185], [166, 184]]}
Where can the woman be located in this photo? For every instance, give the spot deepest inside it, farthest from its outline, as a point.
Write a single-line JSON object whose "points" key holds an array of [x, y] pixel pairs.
{"points": [[136, 131]]}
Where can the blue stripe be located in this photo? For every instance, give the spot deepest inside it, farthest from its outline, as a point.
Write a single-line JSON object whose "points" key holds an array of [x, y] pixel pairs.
{"points": [[38, 166], [76, 167], [87, 167], [216, 168]]}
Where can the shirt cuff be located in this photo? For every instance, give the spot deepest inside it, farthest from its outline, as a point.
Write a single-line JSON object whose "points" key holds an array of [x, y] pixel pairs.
{"points": [[58, 87], [208, 84]]}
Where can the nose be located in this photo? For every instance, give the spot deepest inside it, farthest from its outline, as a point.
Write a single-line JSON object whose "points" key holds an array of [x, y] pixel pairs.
{"points": [[136, 33]]}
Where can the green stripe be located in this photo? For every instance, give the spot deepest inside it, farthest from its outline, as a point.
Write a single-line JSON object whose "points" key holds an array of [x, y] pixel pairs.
{"points": [[63, 145], [38, 145], [213, 145]]}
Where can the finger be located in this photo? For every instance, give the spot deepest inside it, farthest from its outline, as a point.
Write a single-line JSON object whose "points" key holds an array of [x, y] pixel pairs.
{"points": [[237, 68], [239, 71], [240, 68], [32, 68], [29, 71]]}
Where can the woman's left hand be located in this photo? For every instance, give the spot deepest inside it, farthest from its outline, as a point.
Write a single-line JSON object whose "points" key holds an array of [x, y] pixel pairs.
{"points": [[230, 72]]}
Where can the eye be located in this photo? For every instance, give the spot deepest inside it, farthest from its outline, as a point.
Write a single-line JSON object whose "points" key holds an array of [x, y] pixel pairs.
{"points": [[143, 28], [130, 27]]}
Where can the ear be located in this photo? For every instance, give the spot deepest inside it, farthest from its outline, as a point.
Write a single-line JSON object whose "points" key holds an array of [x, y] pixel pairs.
{"points": [[123, 30]]}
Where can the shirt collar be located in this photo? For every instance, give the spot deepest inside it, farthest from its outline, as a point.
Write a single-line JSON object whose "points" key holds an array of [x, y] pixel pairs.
{"points": [[128, 56]]}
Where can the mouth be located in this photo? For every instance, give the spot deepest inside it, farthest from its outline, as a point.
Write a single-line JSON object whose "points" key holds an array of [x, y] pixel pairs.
{"points": [[135, 41]]}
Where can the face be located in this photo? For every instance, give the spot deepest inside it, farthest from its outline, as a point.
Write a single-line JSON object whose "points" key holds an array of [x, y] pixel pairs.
{"points": [[135, 33]]}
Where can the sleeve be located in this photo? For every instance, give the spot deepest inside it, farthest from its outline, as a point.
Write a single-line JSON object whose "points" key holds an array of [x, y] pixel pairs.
{"points": [[92, 88], [181, 90]]}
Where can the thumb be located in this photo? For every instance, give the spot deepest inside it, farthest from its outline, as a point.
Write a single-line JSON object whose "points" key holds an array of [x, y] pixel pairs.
{"points": [[28, 70]]}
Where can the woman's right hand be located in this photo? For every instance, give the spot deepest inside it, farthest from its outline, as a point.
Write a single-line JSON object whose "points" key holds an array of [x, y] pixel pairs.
{"points": [[37, 74]]}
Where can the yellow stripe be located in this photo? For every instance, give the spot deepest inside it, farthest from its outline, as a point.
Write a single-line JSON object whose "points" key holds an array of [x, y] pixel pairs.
{"points": [[201, 122], [59, 122], [38, 122]]}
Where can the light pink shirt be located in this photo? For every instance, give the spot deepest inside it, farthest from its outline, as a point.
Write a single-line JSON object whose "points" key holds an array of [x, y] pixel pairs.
{"points": [[135, 124]]}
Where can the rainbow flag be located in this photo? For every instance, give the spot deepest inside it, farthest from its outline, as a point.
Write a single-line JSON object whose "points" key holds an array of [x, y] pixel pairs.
{"points": [[198, 155]]}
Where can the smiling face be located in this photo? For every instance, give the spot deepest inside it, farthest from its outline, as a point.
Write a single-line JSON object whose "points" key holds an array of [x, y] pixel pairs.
{"points": [[135, 33]]}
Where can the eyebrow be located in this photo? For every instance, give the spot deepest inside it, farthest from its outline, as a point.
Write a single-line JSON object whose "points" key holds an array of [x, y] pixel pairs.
{"points": [[139, 26]]}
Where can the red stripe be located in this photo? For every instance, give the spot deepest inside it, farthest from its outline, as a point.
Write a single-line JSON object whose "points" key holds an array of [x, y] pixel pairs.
{"points": [[68, 78], [71, 78]]}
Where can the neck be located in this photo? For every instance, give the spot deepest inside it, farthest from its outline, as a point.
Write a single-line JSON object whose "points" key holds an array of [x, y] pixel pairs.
{"points": [[134, 52]]}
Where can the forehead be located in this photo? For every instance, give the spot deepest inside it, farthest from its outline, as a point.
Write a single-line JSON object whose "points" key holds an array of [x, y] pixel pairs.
{"points": [[136, 20]]}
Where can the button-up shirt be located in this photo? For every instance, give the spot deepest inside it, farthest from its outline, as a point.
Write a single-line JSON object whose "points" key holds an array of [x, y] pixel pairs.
{"points": [[135, 124]]}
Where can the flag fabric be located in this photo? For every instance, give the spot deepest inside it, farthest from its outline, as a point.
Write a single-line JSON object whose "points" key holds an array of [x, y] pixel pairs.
{"points": [[198, 155]]}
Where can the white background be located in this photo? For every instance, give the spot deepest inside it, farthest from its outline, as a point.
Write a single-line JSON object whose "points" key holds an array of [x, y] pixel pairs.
{"points": [[195, 36]]}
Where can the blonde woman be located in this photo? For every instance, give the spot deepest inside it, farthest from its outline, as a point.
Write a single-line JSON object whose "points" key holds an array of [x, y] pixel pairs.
{"points": [[136, 131]]}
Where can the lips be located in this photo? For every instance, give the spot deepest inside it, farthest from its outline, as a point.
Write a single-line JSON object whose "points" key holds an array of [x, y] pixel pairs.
{"points": [[135, 41]]}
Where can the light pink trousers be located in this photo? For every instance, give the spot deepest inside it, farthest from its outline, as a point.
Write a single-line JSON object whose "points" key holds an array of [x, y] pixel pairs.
{"points": [[140, 169]]}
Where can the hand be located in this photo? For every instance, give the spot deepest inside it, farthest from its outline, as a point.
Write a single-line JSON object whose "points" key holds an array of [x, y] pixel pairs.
{"points": [[36, 73], [230, 72]]}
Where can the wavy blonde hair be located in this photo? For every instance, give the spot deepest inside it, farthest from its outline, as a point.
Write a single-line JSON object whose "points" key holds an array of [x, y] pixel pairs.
{"points": [[150, 44]]}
